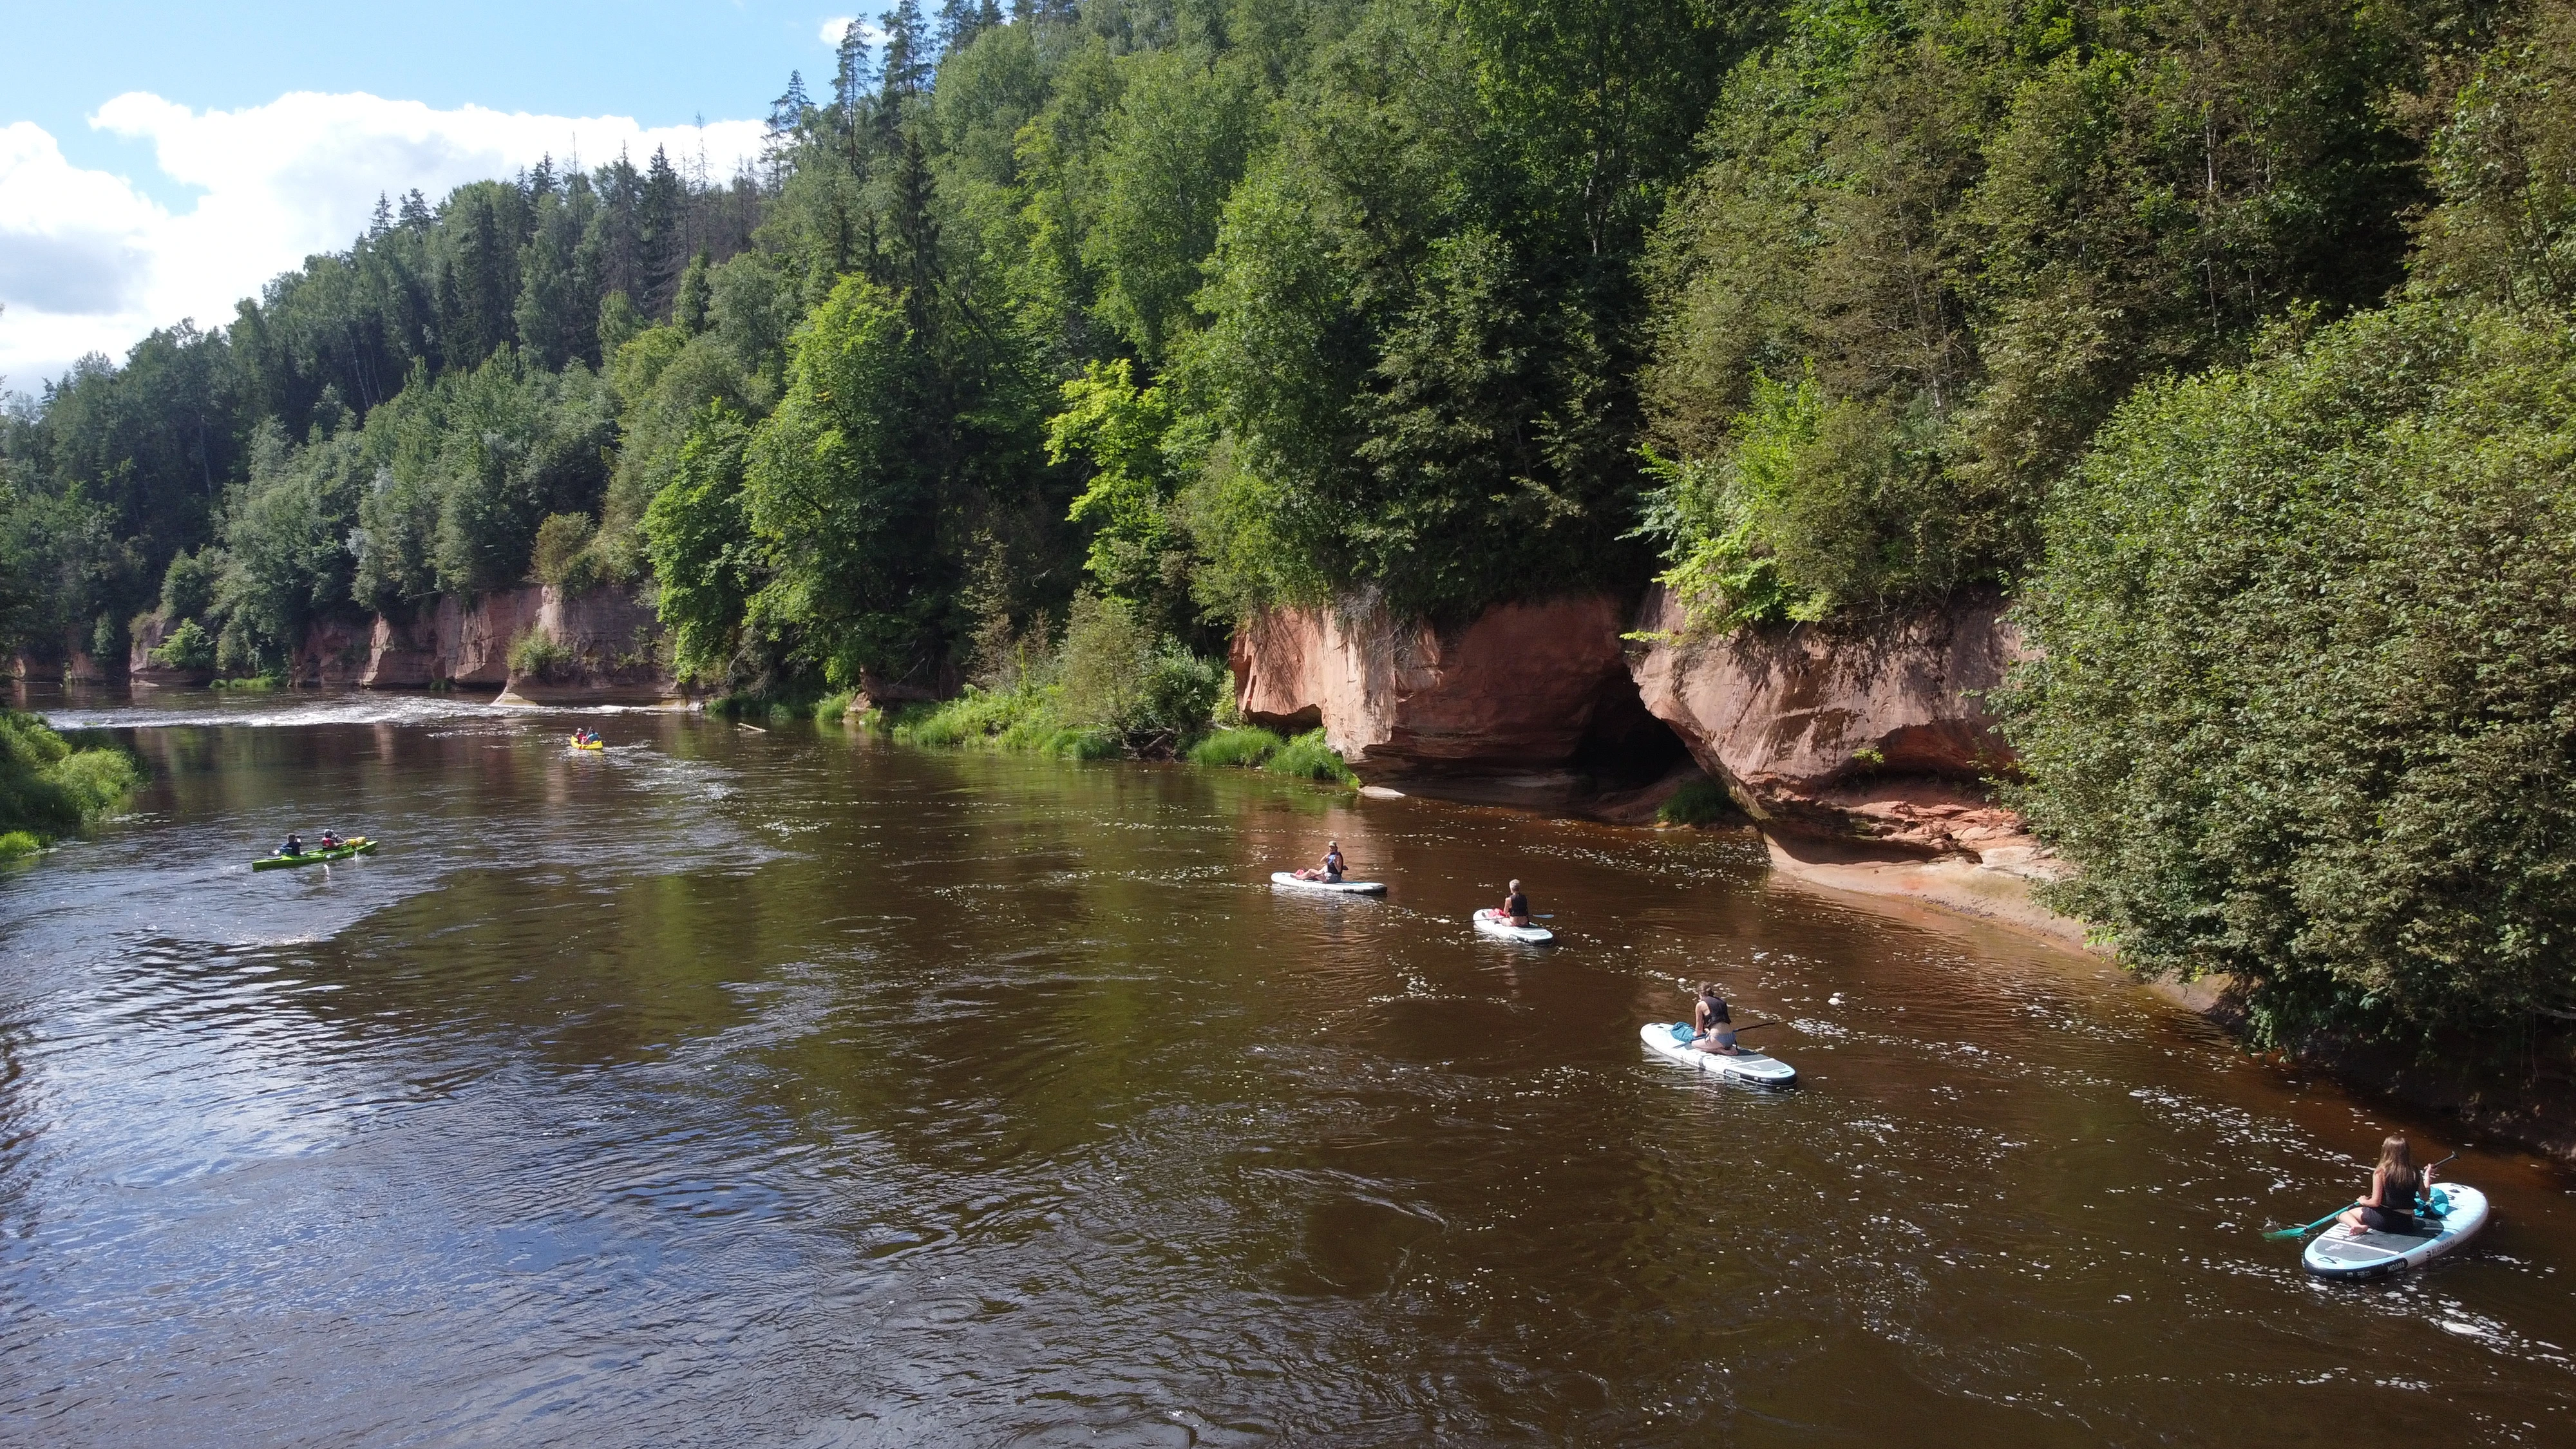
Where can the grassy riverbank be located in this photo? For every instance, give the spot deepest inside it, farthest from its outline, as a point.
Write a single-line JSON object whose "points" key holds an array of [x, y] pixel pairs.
{"points": [[1032, 719], [51, 788]]}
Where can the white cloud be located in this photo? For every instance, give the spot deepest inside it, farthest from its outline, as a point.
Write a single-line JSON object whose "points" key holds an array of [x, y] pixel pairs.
{"points": [[88, 263], [833, 29]]}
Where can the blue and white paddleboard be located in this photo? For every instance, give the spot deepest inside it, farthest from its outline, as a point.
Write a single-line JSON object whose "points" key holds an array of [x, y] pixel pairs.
{"points": [[1672, 1039], [2368, 1254], [1294, 881], [1491, 922]]}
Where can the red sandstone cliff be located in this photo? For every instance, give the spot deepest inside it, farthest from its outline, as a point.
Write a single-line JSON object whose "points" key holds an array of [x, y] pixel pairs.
{"points": [[1519, 689], [150, 633], [610, 640], [1874, 732], [606, 643], [1874, 735]]}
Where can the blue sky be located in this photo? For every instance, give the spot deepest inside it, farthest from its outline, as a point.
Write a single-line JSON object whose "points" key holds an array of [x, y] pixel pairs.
{"points": [[148, 170]]}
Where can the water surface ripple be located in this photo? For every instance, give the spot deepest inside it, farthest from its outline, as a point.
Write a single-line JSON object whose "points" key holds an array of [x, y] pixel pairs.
{"points": [[778, 1087]]}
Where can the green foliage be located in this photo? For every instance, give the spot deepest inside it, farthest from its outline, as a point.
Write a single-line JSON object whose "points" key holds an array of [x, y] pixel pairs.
{"points": [[537, 655], [1420, 304], [562, 553], [2302, 711], [1700, 801], [1244, 747], [1026, 720], [15, 843], [1967, 232], [1174, 145], [1139, 550], [1123, 681], [241, 451], [1307, 757], [1116, 688], [2506, 165], [1817, 506], [188, 586], [698, 540], [841, 494], [188, 647], [50, 789]]}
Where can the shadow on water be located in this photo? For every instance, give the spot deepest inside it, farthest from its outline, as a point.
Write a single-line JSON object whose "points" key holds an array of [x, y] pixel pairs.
{"points": [[788, 1087]]}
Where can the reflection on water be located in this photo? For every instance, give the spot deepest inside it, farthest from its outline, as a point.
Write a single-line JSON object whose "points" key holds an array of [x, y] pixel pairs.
{"points": [[781, 1087]]}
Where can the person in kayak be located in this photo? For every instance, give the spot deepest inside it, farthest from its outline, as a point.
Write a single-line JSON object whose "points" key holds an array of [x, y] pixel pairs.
{"points": [[330, 840], [2398, 1190], [294, 844], [1330, 872], [1516, 906], [1712, 1028]]}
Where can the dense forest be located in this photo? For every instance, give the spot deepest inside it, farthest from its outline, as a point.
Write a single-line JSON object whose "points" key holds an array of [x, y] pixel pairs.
{"points": [[2231, 338]]}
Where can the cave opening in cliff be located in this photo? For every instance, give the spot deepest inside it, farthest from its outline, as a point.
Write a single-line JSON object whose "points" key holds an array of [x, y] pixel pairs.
{"points": [[1625, 746]]}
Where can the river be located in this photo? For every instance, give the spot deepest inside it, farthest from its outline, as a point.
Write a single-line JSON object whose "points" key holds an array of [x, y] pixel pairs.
{"points": [[785, 1087]]}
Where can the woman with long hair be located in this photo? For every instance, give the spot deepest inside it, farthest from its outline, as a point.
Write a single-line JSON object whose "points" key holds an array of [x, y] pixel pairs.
{"points": [[1712, 1026], [2397, 1191]]}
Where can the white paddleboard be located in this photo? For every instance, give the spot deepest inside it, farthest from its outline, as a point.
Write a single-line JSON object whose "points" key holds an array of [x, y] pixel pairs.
{"points": [[1744, 1066], [1491, 922], [2369, 1254], [1293, 881]]}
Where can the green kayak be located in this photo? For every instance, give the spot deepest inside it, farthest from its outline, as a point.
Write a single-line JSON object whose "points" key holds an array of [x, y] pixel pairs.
{"points": [[359, 846]]}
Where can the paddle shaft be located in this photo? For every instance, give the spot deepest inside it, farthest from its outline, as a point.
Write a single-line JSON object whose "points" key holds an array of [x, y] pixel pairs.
{"points": [[2301, 1232]]}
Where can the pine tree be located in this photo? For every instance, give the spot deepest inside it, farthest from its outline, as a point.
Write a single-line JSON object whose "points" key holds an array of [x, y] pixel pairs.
{"points": [[620, 227], [853, 76], [960, 21], [689, 302], [662, 212], [787, 113], [909, 56]]}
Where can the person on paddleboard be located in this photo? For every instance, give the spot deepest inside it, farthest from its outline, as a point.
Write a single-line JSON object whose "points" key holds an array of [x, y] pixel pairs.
{"points": [[294, 844], [1330, 872], [1712, 1027], [1516, 906], [2398, 1190]]}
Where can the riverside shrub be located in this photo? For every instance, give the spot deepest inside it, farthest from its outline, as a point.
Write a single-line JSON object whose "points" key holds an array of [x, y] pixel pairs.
{"points": [[1241, 747], [2304, 713], [535, 654], [1307, 757], [188, 647], [48, 788]]}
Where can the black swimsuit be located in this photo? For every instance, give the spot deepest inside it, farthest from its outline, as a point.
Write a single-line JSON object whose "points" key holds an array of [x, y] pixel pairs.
{"points": [[1719, 1025], [2400, 1220]]}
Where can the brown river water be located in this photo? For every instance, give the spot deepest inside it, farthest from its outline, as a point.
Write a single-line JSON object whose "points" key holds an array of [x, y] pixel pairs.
{"points": [[788, 1088]]}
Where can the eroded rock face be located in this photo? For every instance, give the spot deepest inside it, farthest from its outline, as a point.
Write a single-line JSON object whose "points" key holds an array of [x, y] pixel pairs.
{"points": [[608, 642], [150, 633], [1519, 689], [402, 653], [73, 666], [1879, 733], [336, 651], [474, 638]]}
